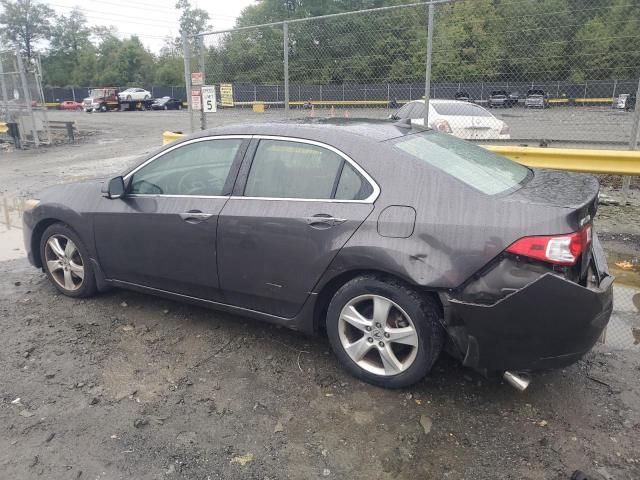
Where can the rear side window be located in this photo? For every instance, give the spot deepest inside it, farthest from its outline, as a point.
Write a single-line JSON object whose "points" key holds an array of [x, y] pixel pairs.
{"points": [[404, 111], [480, 169], [352, 186], [289, 169], [460, 109]]}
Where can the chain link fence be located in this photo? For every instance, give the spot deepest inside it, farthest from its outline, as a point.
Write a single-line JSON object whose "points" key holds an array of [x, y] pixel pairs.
{"points": [[22, 105], [519, 70], [522, 71]]}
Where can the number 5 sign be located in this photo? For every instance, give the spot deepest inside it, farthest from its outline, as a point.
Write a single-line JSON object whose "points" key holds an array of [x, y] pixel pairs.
{"points": [[209, 99]]}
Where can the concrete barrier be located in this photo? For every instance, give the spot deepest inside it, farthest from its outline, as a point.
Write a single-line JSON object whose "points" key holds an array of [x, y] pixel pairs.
{"points": [[168, 137]]}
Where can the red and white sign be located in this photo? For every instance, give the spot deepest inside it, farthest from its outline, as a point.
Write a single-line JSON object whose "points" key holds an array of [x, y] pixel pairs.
{"points": [[197, 78], [196, 99]]}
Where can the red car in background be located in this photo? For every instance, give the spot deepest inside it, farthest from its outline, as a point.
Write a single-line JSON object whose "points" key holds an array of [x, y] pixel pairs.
{"points": [[70, 105]]}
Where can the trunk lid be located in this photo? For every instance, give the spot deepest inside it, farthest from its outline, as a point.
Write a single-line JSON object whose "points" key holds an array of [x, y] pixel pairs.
{"points": [[572, 197]]}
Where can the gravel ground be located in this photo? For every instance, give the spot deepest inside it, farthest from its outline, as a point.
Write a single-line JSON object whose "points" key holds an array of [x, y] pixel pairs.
{"points": [[126, 385]]}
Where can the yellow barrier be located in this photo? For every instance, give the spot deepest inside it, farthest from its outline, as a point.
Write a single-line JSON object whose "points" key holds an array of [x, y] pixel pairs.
{"points": [[258, 107], [3, 127], [617, 162], [168, 137]]}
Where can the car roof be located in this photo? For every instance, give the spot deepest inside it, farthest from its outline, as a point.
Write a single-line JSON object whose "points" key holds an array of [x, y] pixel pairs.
{"points": [[321, 129]]}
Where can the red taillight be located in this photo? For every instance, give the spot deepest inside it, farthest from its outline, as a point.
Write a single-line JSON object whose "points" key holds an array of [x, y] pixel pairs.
{"points": [[441, 126], [557, 249]]}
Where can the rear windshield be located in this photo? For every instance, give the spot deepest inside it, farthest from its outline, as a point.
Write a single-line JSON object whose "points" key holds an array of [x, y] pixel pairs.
{"points": [[460, 109], [487, 172], [535, 92]]}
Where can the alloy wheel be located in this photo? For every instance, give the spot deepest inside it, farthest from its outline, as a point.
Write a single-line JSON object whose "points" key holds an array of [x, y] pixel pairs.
{"points": [[64, 262], [378, 335]]}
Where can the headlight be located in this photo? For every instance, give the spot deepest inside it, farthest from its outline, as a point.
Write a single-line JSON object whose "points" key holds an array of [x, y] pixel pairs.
{"points": [[30, 204]]}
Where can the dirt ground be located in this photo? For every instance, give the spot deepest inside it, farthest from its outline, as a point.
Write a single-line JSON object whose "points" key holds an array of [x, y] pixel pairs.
{"points": [[124, 385]]}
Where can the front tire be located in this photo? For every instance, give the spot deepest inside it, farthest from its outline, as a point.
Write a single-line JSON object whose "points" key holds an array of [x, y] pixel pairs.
{"points": [[384, 332], [66, 261]]}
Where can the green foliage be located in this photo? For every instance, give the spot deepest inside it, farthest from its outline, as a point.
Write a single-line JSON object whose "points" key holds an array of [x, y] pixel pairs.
{"points": [[25, 22], [474, 40]]}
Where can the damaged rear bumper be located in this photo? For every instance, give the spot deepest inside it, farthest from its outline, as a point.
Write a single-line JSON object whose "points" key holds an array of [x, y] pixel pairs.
{"points": [[550, 323]]}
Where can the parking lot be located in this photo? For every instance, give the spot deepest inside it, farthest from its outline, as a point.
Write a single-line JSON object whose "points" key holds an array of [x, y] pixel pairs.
{"points": [[126, 385]]}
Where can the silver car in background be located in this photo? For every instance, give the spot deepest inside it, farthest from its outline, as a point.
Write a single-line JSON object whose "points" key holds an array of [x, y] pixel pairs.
{"points": [[536, 99]]}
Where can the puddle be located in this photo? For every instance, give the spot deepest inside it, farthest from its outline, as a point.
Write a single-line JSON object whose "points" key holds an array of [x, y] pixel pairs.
{"points": [[626, 268], [11, 246]]}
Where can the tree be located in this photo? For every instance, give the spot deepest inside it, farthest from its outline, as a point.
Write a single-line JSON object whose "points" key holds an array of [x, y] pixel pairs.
{"points": [[192, 20], [69, 43], [25, 23], [70, 35]]}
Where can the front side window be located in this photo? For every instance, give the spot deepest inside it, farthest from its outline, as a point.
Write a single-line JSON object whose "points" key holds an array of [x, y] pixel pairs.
{"points": [[288, 169], [199, 169]]}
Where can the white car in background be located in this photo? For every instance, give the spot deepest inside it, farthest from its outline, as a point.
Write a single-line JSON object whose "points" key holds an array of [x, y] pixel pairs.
{"points": [[461, 119], [134, 94]]}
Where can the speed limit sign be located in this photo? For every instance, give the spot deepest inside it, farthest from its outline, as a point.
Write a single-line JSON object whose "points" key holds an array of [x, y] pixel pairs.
{"points": [[209, 99]]}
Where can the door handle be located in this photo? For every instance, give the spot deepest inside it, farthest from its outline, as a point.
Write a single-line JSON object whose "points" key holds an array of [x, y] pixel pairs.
{"points": [[195, 216], [323, 220]]}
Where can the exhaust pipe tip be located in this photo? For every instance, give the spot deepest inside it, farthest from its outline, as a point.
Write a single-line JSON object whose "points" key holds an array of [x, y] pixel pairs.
{"points": [[518, 380]]}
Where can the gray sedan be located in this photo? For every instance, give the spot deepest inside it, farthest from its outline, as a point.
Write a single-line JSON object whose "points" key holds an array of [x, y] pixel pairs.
{"points": [[398, 242]]}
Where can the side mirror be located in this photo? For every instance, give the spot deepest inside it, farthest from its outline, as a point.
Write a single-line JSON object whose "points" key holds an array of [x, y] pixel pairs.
{"points": [[116, 188]]}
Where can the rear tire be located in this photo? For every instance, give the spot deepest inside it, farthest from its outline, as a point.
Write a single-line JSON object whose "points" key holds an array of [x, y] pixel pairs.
{"points": [[66, 262], [384, 332]]}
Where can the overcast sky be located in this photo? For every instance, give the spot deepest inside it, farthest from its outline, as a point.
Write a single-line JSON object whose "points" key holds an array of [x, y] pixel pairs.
{"points": [[151, 20]]}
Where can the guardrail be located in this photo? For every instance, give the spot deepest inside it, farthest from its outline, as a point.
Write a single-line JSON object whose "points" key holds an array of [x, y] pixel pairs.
{"points": [[615, 162]]}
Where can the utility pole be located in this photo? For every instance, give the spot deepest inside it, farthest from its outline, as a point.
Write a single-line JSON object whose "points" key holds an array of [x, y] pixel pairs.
{"points": [[187, 77], [633, 145], [27, 97], [285, 31], [427, 79]]}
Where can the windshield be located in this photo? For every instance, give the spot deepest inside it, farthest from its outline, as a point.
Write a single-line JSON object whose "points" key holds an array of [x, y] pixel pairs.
{"points": [[97, 93], [487, 172]]}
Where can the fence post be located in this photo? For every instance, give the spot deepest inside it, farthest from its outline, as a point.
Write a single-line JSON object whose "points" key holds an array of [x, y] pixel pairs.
{"points": [[285, 46], [3, 87], [27, 97], [203, 116], [73, 94], [37, 74], [427, 77], [187, 77], [633, 145]]}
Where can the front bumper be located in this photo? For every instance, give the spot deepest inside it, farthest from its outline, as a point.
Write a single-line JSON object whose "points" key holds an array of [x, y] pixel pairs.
{"points": [[550, 323]]}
